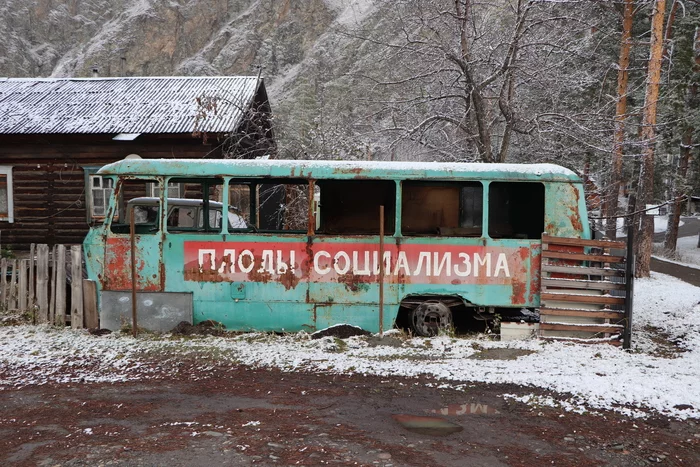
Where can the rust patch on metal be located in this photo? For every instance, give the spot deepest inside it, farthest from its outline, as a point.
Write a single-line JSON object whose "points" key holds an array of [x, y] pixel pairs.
{"points": [[576, 221], [353, 282], [289, 280], [535, 271]]}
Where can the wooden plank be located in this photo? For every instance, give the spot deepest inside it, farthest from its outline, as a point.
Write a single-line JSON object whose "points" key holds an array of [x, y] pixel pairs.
{"points": [[92, 320], [12, 305], [576, 298], [60, 318], [32, 262], [42, 283], [582, 257], [52, 291], [3, 284], [583, 242], [592, 341], [583, 270], [76, 312], [600, 328], [581, 313], [23, 286], [581, 284]]}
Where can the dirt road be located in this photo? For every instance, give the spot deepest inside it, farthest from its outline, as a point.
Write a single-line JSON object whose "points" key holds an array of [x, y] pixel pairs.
{"points": [[244, 416]]}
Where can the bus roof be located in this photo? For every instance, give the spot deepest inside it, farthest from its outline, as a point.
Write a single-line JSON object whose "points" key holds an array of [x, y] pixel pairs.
{"points": [[305, 169]]}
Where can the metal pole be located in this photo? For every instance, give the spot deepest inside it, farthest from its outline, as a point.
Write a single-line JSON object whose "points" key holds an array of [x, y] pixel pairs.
{"points": [[381, 269], [132, 232], [629, 287]]}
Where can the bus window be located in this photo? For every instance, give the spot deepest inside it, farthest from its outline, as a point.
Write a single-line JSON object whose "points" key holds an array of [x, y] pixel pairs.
{"points": [[516, 210], [351, 207], [133, 195], [448, 209], [283, 206], [239, 205], [200, 210]]}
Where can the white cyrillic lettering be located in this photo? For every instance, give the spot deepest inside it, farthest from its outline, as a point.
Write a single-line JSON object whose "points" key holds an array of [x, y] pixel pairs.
{"points": [[502, 264], [250, 263], [212, 258], [317, 267], [485, 261], [231, 261], [445, 263], [266, 262], [356, 269], [375, 262], [402, 263], [346, 266], [423, 257], [281, 266], [466, 261]]}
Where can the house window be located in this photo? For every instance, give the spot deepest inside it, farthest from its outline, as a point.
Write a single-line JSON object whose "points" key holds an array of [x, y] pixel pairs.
{"points": [[6, 208], [101, 189], [174, 190]]}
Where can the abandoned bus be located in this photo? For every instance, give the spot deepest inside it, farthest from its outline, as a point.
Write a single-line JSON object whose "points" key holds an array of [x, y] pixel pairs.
{"points": [[301, 248]]}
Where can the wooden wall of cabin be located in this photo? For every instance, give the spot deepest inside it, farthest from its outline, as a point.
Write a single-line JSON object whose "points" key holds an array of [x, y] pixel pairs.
{"points": [[48, 179]]}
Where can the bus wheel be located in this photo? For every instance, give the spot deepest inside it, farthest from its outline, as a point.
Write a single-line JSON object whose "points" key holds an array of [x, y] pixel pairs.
{"points": [[430, 317]]}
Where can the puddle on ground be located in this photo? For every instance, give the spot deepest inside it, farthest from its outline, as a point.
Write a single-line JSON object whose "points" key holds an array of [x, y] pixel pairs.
{"points": [[500, 354], [465, 409], [433, 426]]}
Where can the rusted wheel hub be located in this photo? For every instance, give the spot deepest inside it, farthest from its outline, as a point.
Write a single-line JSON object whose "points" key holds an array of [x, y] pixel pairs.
{"points": [[428, 318]]}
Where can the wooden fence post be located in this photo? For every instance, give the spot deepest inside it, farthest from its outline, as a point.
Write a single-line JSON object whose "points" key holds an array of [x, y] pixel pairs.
{"points": [[32, 280], [23, 291], [12, 305], [92, 320], [3, 284], [60, 285], [42, 283], [52, 289], [76, 314]]}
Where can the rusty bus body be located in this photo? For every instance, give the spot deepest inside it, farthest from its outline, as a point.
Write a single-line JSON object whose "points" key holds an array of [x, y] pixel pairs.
{"points": [[462, 241]]}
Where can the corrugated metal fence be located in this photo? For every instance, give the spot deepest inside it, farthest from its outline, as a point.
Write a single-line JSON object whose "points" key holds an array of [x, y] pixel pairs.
{"points": [[49, 287]]}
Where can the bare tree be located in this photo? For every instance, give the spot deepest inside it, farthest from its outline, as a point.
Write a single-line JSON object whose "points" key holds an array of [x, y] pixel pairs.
{"points": [[646, 176], [620, 117], [469, 80]]}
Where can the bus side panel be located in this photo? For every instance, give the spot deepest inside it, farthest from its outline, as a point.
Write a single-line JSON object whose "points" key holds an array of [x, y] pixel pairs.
{"points": [[240, 281], [484, 272]]}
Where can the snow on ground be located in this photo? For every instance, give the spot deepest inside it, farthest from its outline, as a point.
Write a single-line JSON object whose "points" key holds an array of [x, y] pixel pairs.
{"points": [[582, 377]]}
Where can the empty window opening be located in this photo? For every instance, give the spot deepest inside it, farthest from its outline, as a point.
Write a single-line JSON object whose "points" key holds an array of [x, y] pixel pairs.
{"points": [[200, 210], [282, 207], [516, 210], [448, 209], [351, 207], [133, 198]]}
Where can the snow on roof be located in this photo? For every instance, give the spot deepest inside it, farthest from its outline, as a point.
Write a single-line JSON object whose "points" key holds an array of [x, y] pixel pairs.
{"points": [[122, 105], [338, 169]]}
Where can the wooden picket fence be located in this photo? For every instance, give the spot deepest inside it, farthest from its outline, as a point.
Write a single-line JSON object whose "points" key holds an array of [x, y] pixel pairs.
{"points": [[48, 285]]}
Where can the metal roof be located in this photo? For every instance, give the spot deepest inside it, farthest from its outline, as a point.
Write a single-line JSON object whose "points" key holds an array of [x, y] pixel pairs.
{"points": [[122, 105]]}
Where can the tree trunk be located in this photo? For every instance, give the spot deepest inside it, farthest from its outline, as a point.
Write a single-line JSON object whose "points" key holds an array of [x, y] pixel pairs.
{"points": [[671, 239], [620, 116], [646, 174]]}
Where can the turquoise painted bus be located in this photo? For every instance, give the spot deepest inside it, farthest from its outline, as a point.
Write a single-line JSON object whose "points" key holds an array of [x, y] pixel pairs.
{"points": [[291, 245]]}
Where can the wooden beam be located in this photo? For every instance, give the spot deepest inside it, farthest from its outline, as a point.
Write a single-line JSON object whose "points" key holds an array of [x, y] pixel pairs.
{"points": [[581, 284], [576, 298], [601, 328], [583, 270], [583, 242], [581, 313], [582, 257]]}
